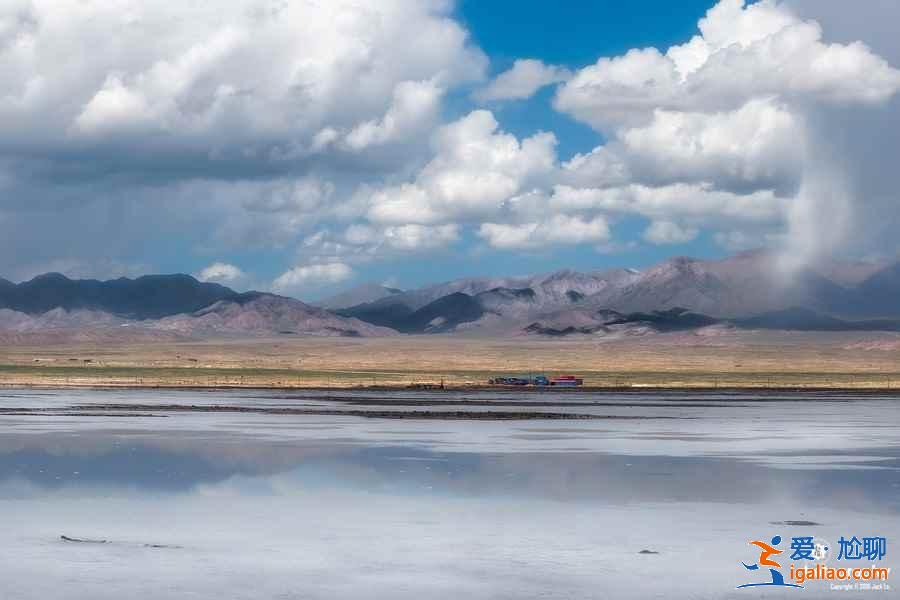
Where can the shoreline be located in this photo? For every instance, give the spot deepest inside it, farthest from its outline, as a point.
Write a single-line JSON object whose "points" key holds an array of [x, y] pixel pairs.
{"points": [[432, 405], [867, 390]]}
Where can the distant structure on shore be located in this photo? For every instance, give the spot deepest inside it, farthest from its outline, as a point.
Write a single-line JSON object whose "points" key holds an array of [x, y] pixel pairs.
{"points": [[539, 380]]}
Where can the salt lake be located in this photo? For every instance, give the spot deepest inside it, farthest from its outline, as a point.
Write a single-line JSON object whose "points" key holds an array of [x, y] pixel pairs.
{"points": [[406, 494]]}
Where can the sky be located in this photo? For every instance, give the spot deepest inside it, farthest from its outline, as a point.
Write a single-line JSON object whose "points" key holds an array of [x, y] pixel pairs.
{"points": [[305, 147]]}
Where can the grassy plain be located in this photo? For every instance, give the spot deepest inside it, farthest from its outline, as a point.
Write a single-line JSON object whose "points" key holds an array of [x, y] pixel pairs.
{"points": [[728, 359]]}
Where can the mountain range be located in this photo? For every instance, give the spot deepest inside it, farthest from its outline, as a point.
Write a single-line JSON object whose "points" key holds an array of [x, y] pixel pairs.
{"points": [[743, 290], [160, 305], [749, 290]]}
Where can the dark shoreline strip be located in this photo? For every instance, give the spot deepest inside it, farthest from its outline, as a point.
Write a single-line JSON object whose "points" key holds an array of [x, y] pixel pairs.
{"points": [[803, 391], [128, 409], [501, 403]]}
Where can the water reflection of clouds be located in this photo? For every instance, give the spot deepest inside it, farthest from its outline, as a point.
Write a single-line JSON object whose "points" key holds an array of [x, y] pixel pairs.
{"points": [[267, 506], [166, 465]]}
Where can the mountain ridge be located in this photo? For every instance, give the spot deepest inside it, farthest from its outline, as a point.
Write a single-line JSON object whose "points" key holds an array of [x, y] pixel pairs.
{"points": [[743, 286], [145, 297], [154, 305], [746, 290]]}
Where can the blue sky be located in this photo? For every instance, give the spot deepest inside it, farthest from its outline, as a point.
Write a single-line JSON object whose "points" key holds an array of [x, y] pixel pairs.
{"points": [[307, 147]]}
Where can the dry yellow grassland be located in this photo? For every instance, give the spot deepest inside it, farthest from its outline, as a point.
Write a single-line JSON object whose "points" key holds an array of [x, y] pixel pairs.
{"points": [[741, 359]]}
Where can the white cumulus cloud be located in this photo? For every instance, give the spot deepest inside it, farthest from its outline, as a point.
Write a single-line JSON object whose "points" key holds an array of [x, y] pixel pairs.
{"points": [[522, 80], [221, 272], [698, 201], [317, 130], [252, 80], [720, 132], [414, 108], [306, 278], [667, 232], [727, 130], [475, 168], [364, 242], [759, 145], [742, 52], [556, 230], [233, 125]]}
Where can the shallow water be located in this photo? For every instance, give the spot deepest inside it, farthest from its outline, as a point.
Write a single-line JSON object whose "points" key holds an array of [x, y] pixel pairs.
{"points": [[232, 504]]}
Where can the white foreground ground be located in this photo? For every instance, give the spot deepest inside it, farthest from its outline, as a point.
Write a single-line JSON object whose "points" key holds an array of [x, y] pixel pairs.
{"points": [[246, 505]]}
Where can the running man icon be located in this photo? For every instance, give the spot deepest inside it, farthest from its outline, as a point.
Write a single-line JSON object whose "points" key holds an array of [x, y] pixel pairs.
{"points": [[767, 551]]}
